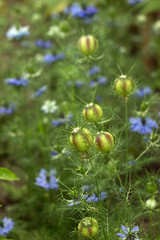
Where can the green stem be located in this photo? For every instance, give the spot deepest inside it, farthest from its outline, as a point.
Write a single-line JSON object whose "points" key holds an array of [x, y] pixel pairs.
{"points": [[126, 111]]}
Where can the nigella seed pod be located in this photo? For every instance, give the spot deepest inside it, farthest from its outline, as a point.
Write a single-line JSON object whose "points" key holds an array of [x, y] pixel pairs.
{"points": [[88, 227], [87, 45], [92, 112], [81, 139], [124, 86], [104, 141]]}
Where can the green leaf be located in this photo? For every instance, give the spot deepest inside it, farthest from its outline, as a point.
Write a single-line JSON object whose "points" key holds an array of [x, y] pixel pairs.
{"points": [[6, 174]]}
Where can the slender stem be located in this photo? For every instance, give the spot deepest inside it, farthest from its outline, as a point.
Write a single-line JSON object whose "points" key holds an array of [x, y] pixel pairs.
{"points": [[126, 111], [99, 204], [95, 180]]}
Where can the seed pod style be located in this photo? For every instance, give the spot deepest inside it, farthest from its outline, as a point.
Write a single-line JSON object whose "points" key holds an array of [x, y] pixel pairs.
{"points": [[88, 227], [87, 45], [104, 141], [123, 86], [92, 112], [81, 139]]}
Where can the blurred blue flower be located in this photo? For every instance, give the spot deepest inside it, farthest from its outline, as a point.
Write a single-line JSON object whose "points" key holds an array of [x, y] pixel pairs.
{"points": [[77, 83], [50, 58], [132, 2], [128, 234], [98, 81], [98, 98], [61, 121], [53, 153], [90, 11], [94, 70], [17, 82], [101, 80], [17, 32], [43, 44], [6, 226], [102, 196], [142, 126], [132, 162], [47, 179], [40, 91], [77, 11], [143, 92], [73, 203], [6, 110], [92, 198]]}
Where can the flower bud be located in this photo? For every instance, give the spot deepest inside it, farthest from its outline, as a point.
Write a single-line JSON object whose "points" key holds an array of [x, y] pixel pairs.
{"points": [[87, 45], [104, 141], [88, 227], [64, 26], [124, 85], [151, 203], [92, 112], [81, 139], [151, 187]]}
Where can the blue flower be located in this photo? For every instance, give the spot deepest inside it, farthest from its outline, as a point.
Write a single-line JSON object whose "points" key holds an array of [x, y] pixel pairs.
{"points": [[143, 92], [98, 81], [61, 121], [47, 179], [90, 11], [7, 110], [129, 234], [17, 32], [92, 198], [53, 153], [77, 11], [73, 203], [50, 58], [94, 70], [43, 44], [142, 126], [132, 2], [102, 196], [98, 98], [77, 83], [40, 91], [6, 226], [17, 82]]}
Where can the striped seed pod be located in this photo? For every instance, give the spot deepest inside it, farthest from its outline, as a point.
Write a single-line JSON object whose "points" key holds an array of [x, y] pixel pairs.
{"points": [[88, 227], [81, 139], [104, 141], [92, 112], [87, 45], [124, 85]]}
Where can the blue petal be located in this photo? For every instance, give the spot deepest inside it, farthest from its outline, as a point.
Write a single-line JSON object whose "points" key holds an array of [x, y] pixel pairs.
{"points": [[124, 229], [135, 229], [121, 235]]}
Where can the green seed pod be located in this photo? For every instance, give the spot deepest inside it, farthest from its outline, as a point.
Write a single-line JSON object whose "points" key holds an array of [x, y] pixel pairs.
{"points": [[87, 45], [124, 85], [64, 26], [81, 139], [104, 141], [88, 227], [151, 187], [92, 112]]}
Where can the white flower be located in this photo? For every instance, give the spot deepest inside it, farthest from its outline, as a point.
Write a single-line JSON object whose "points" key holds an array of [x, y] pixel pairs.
{"points": [[17, 32], [49, 106], [55, 31], [156, 27], [151, 203]]}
